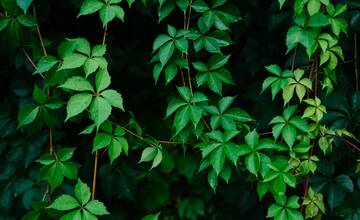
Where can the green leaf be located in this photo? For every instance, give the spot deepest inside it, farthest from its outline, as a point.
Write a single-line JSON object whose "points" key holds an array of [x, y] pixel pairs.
{"points": [[74, 215], [313, 6], [64, 203], [165, 10], [253, 163], [101, 140], [218, 159], [152, 217], [24, 4], [39, 95], [77, 83], [114, 98], [170, 72], [4, 22], [100, 110], [102, 80], [119, 12], [90, 7], [45, 64], [82, 192], [107, 14], [90, 66], [98, 50], [165, 52], [217, 61], [281, 3], [73, 61], [116, 146], [289, 134], [318, 20], [77, 104], [148, 154], [157, 159], [160, 40], [96, 208], [27, 114]]}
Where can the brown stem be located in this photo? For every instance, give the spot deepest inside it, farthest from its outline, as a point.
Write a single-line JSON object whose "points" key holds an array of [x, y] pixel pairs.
{"points": [[51, 145], [39, 33], [188, 18], [104, 35], [97, 152], [306, 184], [265, 133], [356, 63], [94, 175], [350, 144], [310, 77], [31, 62], [142, 138], [189, 75]]}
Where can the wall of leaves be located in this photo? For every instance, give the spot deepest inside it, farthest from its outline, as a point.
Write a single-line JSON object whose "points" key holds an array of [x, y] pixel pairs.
{"points": [[179, 109]]}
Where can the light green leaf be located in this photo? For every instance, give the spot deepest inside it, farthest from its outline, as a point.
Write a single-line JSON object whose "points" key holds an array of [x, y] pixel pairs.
{"points": [[102, 80], [107, 14], [313, 6], [148, 154], [73, 61], [96, 208], [77, 104], [100, 110], [82, 192], [90, 6], [114, 98], [157, 159], [119, 12], [74, 215], [45, 63], [218, 159], [98, 50], [24, 4], [77, 83], [90, 66], [27, 114], [165, 52], [101, 140], [64, 203]]}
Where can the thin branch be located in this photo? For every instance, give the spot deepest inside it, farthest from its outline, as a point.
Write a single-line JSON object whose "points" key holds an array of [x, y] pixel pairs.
{"points": [[31, 62], [105, 34], [350, 144], [94, 175], [39, 33], [142, 138], [96, 159], [265, 133]]}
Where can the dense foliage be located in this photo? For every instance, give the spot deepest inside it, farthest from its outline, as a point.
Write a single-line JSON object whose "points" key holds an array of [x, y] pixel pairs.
{"points": [[179, 109]]}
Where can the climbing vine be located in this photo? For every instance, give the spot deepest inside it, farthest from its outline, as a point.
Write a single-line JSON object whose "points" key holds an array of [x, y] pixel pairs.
{"points": [[75, 149]]}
